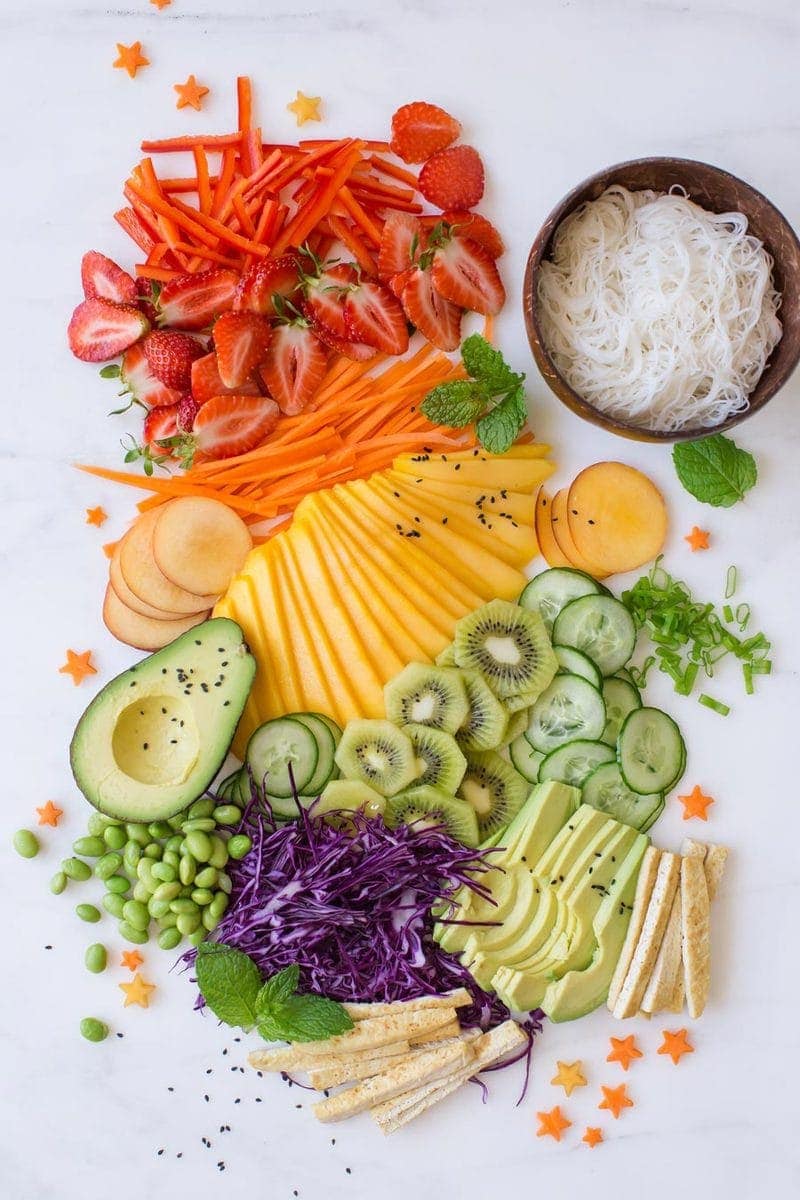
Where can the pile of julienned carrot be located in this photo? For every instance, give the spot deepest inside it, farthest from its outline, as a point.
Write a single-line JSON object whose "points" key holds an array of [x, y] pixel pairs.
{"points": [[338, 191]]}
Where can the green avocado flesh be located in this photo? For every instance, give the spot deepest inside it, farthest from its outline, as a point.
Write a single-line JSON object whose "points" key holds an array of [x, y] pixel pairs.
{"points": [[153, 739]]}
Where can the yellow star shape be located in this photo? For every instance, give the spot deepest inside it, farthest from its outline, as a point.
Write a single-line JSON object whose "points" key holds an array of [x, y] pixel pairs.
{"points": [[305, 108], [130, 58], [190, 94], [569, 1076], [137, 991]]}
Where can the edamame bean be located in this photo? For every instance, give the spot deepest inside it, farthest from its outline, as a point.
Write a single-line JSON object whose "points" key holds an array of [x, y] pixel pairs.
{"points": [[141, 892], [58, 883], [210, 922], [225, 883], [132, 934], [227, 814], [137, 833], [157, 908], [144, 873], [239, 845], [114, 837], [97, 824], [173, 844], [88, 912], [183, 904], [168, 921], [164, 872], [95, 958], [176, 821], [201, 808], [136, 914], [188, 922], [218, 905], [113, 904], [167, 891], [131, 855], [197, 937], [219, 853], [203, 824], [153, 850], [206, 878], [199, 845], [202, 896], [75, 868], [168, 939], [27, 844], [89, 847], [187, 869], [108, 865], [159, 829], [118, 884], [172, 858], [94, 1030]]}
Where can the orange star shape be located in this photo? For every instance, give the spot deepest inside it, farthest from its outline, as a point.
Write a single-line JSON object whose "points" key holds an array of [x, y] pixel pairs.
{"points": [[161, 4], [79, 666], [696, 804], [593, 1136], [615, 1099], [131, 959], [624, 1051], [675, 1044], [305, 108], [130, 58], [49, 813], [190, 94], [698, 538], [569, 1076], [137, 991], [552, 1124], [96, 516]]}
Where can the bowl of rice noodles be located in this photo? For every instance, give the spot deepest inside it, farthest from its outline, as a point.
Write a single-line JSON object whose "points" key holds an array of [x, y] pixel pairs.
{"points": [[662, 299]]}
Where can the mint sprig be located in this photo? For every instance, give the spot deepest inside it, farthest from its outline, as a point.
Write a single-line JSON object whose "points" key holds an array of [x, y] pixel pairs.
{"points": [[492, 399], [715, 470]]}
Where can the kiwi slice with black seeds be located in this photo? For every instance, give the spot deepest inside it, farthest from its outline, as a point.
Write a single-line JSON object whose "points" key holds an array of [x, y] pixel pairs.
{"points": [[486, 724], [517, 724], [439, 761], [446, 657], [427, 695], [509, 645], [494, 790], [428, 807], [377, 753]]}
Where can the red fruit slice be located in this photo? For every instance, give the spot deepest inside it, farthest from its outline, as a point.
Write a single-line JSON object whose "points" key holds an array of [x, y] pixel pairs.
{"points": [[325, 295], [453, 178], [401, 243], [398, 282], [240, 340], [435, 317], [139, 381], [294, 367], [420, 129], [188, 408], [261, 283], [193, 301], [170, 355], [102, 278], [206, 381], [160, 423], [357, 351], [475, 227], [466, 274], [99, 330], [147, 299], [229, 425], [375, 316]]}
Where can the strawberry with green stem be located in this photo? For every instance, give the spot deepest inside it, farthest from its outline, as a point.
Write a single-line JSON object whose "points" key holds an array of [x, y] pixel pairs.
{"points": [[295, 363]]}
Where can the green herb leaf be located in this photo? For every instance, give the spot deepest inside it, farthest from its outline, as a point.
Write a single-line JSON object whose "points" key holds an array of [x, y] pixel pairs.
{"points": [[456, 404], [303, 1019], [230, 983], [715, 470], [487, 365], [501, 427], [278, 989], [112, 371]]}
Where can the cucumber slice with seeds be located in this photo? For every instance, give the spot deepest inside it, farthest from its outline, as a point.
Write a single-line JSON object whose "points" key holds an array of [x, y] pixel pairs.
{"points": [[570, 708], [326, 748], [650, 751], [621, 698], [574, 662], [606, 790], [601, 627], [551, 590], [283, 755], [525, 758], [573, 763]]}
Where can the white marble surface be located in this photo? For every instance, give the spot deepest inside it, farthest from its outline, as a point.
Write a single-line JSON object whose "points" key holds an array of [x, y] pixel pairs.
{"points": [[549, 91]]}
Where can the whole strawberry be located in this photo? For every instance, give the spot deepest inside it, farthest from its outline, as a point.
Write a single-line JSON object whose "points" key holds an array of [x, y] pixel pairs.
{"points": [[170, 356]]}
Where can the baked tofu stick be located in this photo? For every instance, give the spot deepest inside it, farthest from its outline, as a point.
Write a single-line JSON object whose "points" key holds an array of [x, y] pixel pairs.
{"points": [[655, 922], [450, 1030], [667, 968], [351, 1070], [459, 998], [288, 1058], [644, 888], [695, 941]]}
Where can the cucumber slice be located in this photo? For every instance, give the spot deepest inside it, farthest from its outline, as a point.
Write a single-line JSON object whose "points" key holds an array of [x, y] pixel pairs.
{"points": [[335, 729], [573, 662], [599, 626], [570, 708], [228, 789], [548, 592], [326, 748], [574, 762], [620, 699], [624, 673], [525, 758], [650, 751], [606, 790], [283, 755]]}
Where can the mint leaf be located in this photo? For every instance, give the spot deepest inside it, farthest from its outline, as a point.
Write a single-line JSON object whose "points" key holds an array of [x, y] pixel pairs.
{"points": [[455, 404], [229, 981], [304, 1019], [500, 428], [715, 470], [487, 365], [278, 989]]}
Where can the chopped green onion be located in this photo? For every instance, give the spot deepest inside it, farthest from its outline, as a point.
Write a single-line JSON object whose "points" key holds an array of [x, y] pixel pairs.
{"points": [[716, 705], [727, 614], [761, 666], [730, 582], [747, 672], [742, 616]]}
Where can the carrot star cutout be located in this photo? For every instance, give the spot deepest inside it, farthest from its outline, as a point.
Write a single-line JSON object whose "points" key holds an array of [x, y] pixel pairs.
{"points": [[49, 813], [131, 959], [624, 1051], [137, 991], [79, 666], [696, 804], [593, 1136], [552, 1124], [615, 1099], [305, 108], [96, 516], [698, 539], [190, 94], [569, 1076], [161, 4], [675, 1045], [130, 58]]}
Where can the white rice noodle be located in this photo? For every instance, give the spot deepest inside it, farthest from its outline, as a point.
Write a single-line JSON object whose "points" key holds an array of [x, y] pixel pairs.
{"points": [[657, 312]]}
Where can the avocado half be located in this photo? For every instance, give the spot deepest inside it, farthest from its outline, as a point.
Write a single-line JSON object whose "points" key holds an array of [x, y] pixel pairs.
{"points": [[153, 739]]}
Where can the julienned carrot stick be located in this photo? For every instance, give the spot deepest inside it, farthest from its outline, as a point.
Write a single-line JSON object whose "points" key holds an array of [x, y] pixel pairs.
{"points": [[222, 232], [349, 238], [226, 174], [296, 232], [245, 220], [359, 216], [130, 222], [209, 255], [214, 141], [185, 220], [161, 274], [204, 195], [389, 168], [244, 102]]}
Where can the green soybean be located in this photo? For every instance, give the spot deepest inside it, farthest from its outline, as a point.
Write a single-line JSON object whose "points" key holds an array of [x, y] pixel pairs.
{"points": [[58, 883], [206, 878], [218, 904], [157, 908], [26, 843], [113, 904], [137, 833], [131, 855], [188, 922], [97, 824], [141, 892], [164, 872], [168, 921], [176, 821], [173, 844], [199, 845], [187, 869], [153, 850], [203, 824], [202, 896], [114, 837], [132, 934], [225, 883], [169, 938], [197, 937], [159, 829], [136, 914], [118, 884], [89, 847], [88, 912], [219, 853], [183, 904], [167, 891], [239, 845], [108, 865], [76, 868], [95, 958], [203, 807], [144, 873], [227, 814], [94, 1030], [210, 922], [172, 858]]}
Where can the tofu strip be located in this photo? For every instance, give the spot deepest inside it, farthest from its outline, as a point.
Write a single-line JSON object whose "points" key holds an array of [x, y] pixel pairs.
{"points": [[460, 998]]}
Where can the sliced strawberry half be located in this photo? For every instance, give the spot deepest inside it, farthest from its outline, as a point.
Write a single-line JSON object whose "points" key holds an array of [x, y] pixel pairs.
{"points": [[325, 295], [466, 274], [188, 408], [170, 355], [99, 330], [160, 423], [398, 282], [453, 178], [401, 243], [357, 351], [477, 228], [102, 278], [229, 425], [240, 340], [294, 367], [420, 129], [147, 292], [259, 286], [139, 381], [372, 314], [206, 381], [435, 317], [193, 301]]}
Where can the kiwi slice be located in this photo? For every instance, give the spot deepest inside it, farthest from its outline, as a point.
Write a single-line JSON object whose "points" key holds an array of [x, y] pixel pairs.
{"points": [[509, 646], [439, 760], [425, 695], [341, 796], [494, 790], [518, 722], [426, 807], [377, 753], [485, 727], [447, 657], [521, 703]]}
